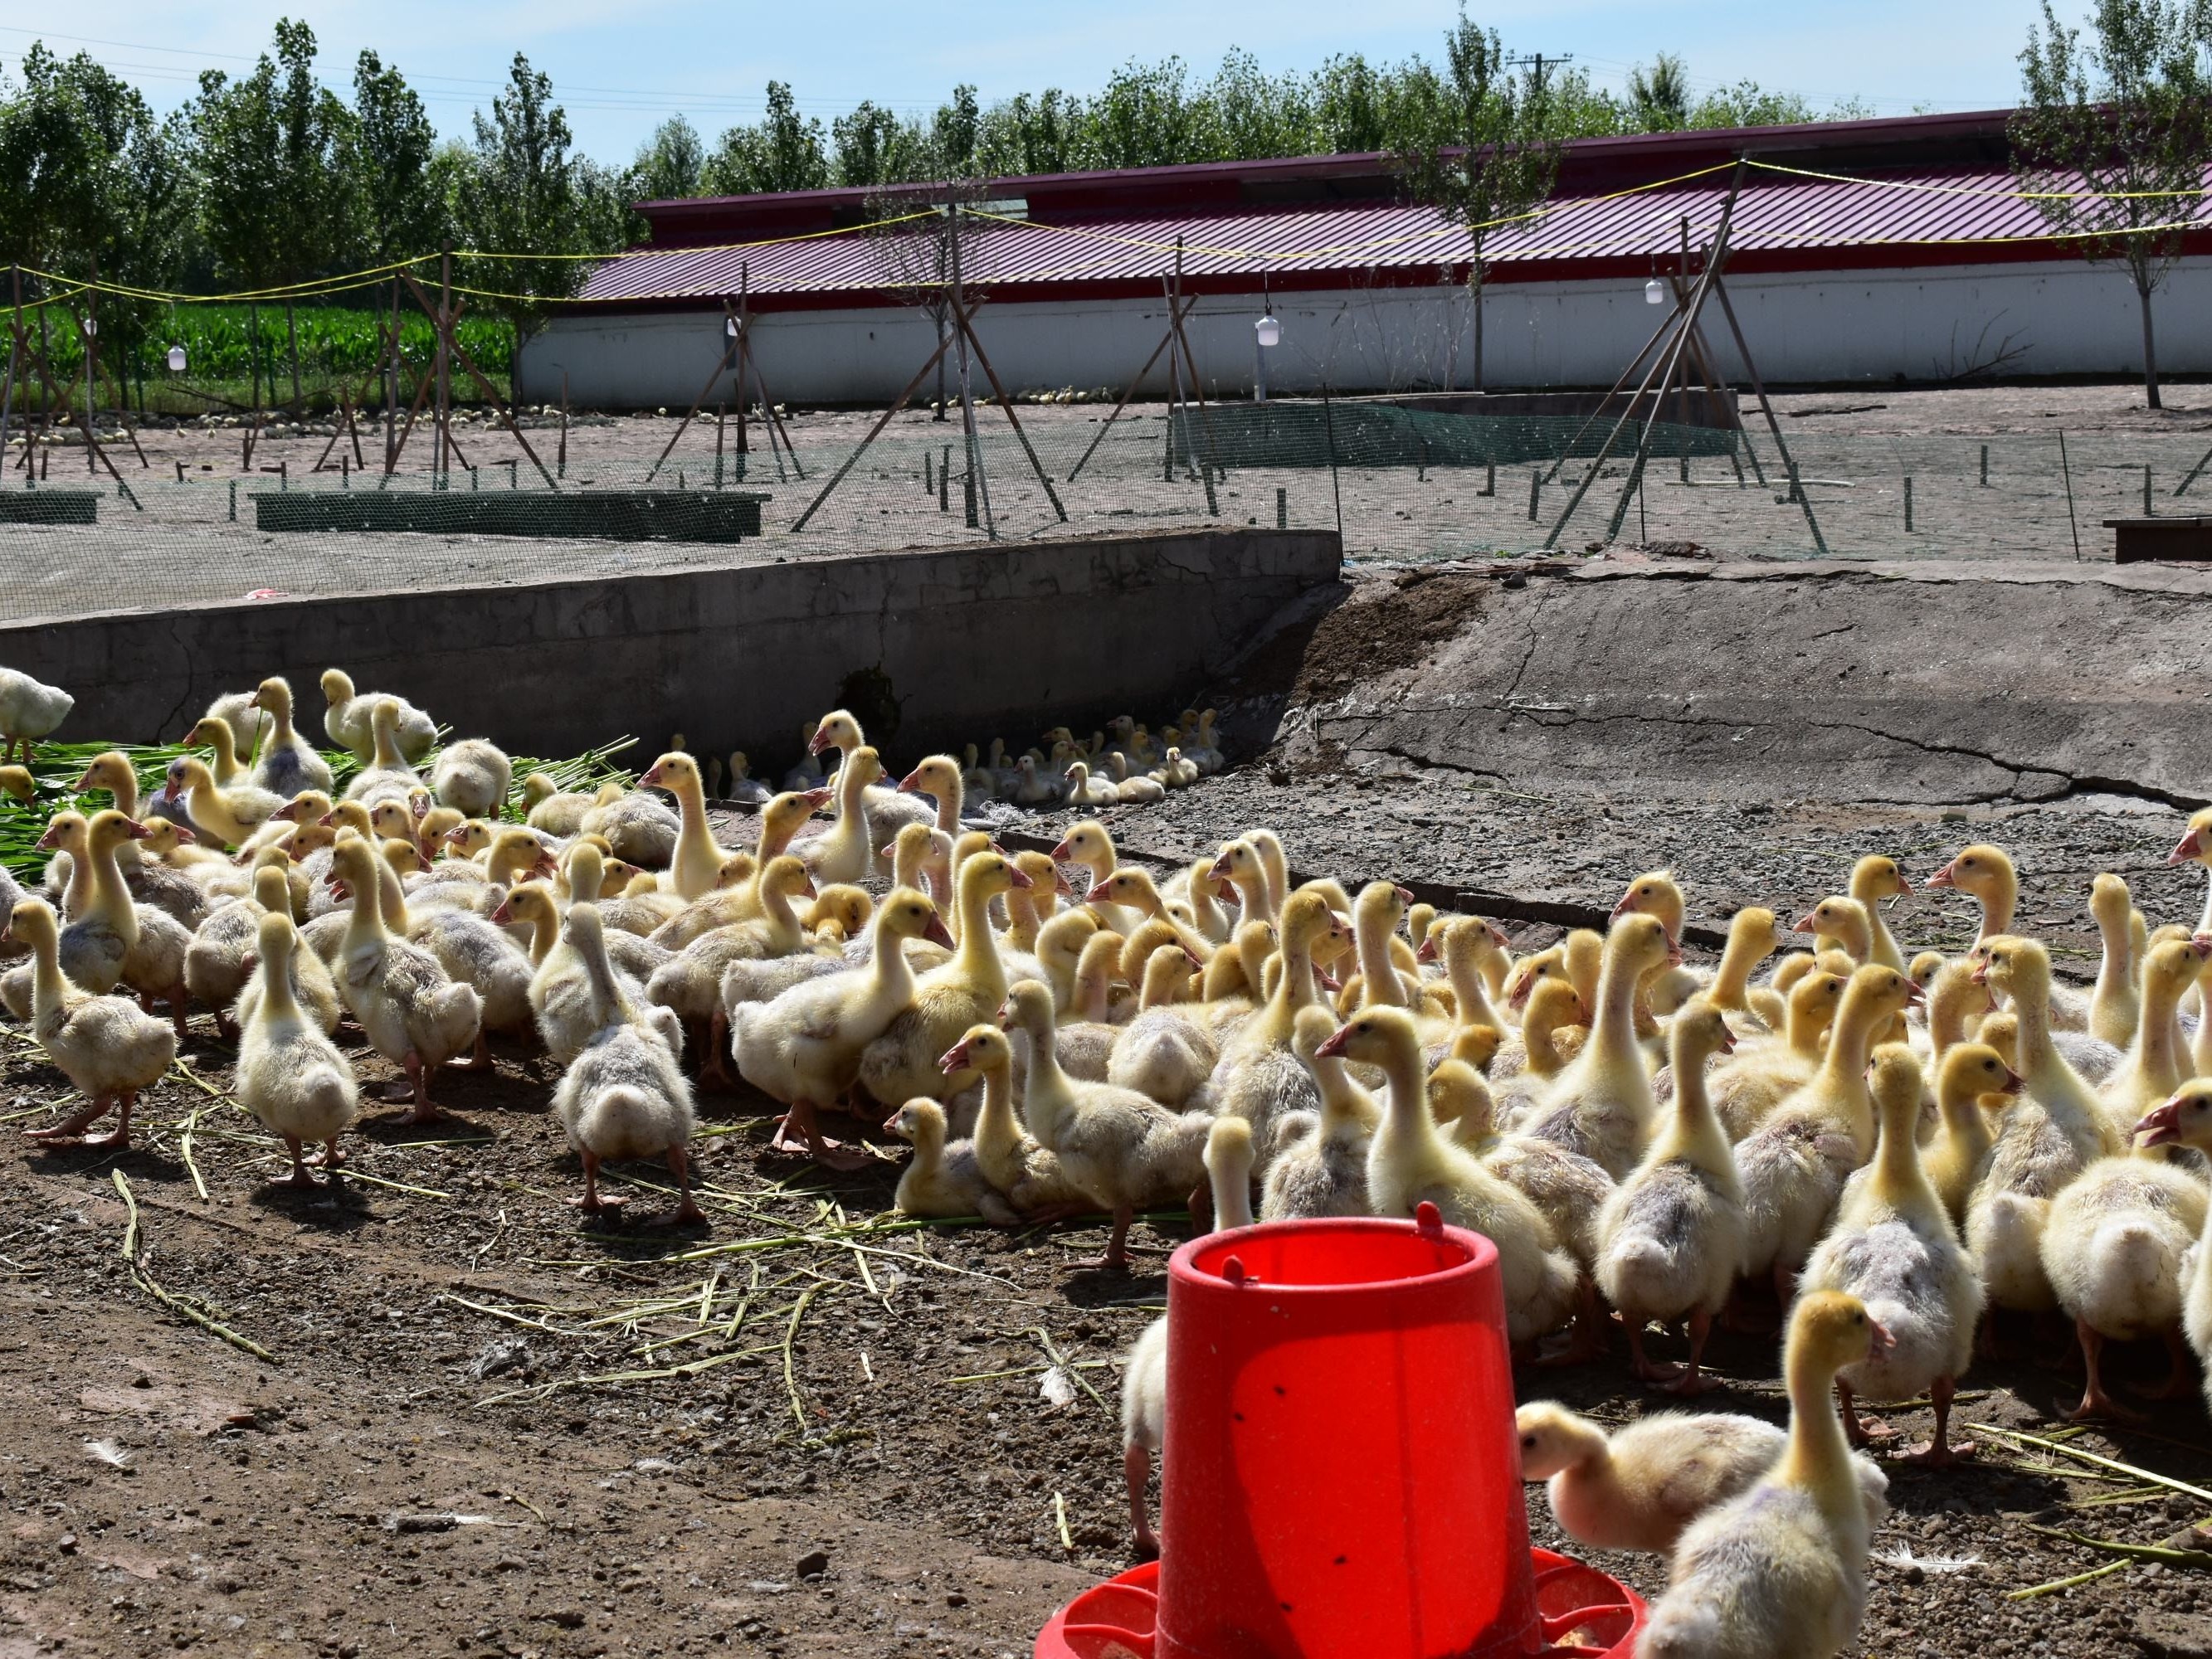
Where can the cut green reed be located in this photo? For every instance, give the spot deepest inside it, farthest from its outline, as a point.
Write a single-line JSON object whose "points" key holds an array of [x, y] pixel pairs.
{"points": [[55, 767]]}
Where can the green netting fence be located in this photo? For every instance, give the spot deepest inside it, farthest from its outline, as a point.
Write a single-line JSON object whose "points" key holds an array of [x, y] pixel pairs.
{"points": [[182, 520]]}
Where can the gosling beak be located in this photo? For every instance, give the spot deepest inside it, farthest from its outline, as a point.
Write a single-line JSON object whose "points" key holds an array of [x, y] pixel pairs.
{"points": [[2014, 1083], [2161, 1125], [327, 819], [911, 783], [1915, 995], [504, 915], [1215, 872], [340, 890], [1192, 957], [817, 799], [1006, 1015], [1944, 877], [1405, 895], [1879, 1341], [1805, 925], [1904, 888], [1981, 974], [817, 743], [1063, 854], [938, 933], [806, 887], [84, 782], [1427, 951], [185, 837], [1225, 891], [2185, 850], [652, 779], [1673, 952], [1626, 907], [1060, 885], [954, 1058], [168, 795], [1727, 1041], [289, 811], [48, 841], [1333, 1048], [135, 829], [1498, 936], [1014, 874]]}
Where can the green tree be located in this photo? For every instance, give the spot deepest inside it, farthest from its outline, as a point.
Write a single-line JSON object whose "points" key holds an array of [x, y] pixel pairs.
{"points": [[874, 145], [669, 164], [2115, 130], [953, 133], [1144, 118], [1659, 98], [1485, 151], [784, 151], [1025, 135], [1245, 113], [88, 178], [400, 212], [517, 195]]}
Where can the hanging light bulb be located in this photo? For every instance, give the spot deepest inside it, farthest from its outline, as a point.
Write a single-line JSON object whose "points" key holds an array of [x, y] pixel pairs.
{"points": [[1655, 293], [92, 326], [176, 359], [730, 326], [1267, 330]]}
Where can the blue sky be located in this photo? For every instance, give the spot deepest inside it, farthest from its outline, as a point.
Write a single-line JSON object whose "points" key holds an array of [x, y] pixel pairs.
{"points": [[621, 68]]}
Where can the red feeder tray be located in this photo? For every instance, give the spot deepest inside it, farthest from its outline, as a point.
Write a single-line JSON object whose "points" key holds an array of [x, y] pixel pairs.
{"points": [[1586, 1615], [1341, 1474]]}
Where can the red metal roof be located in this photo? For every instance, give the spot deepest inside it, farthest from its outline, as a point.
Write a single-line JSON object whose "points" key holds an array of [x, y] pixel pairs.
{"points": [[1783, 220]]}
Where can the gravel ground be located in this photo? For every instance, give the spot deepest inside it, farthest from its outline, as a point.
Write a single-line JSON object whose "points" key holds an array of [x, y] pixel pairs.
{"points": [[1854, 450]]}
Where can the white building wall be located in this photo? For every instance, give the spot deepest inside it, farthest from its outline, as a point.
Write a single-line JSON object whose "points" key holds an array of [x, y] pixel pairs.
{"points": [[1921, 323]]}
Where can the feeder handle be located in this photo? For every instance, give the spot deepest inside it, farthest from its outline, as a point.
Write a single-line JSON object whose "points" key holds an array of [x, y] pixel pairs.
{"points": [[1428, 1222]]}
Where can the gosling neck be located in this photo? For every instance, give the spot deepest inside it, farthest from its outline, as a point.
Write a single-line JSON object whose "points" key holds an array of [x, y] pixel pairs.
{"points": [[544, 929], [1407, 1118], [49, 989], [977, 960], [1294, 985], [1882, 943], [1464, 975], [388, 757], [1375, 967], [281, 733], [1344, 1103], [224, 744], [1050, 1101], [1899, 1174], [1613, 1037], [108, 898], [894, 974], [1732, 978], [1695, 1134], [2154, 1054], [278, 1002], [1998, 905], [1817, 1459], [995, 1122]]}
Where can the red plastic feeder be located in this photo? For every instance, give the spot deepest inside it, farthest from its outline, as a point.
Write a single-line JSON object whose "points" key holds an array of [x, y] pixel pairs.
{"points": [[1340, 1475]]}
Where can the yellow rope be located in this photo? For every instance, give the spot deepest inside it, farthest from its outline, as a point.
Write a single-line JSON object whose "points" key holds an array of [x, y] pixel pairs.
{"points": [[1972, 190]]}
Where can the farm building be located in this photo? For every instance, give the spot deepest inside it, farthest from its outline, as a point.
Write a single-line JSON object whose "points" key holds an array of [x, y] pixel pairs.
{"points": [[1860, 250]]}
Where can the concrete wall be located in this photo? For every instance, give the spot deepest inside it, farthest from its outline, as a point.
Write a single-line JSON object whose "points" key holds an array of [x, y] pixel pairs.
{"points": [[970, 644], [2065, 317]]}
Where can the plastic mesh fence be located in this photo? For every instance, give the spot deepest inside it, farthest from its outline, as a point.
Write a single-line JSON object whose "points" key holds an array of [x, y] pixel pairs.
{"points": [[189, 525]]}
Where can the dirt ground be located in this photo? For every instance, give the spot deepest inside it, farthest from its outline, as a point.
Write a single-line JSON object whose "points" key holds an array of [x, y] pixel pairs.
{"points": [[485, 1427]]}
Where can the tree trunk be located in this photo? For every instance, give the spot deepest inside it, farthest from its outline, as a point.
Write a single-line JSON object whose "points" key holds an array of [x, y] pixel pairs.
{"points": [[2150, 349], [253, 350], [292, 334]]}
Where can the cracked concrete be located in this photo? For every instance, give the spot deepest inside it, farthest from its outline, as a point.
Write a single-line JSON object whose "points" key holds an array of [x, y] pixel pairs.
{"points": [[1918, 684]]}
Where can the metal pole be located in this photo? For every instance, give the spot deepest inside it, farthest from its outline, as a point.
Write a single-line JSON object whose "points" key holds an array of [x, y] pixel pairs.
{"points": [[1329, 422], [90, 335], [445, 349]]}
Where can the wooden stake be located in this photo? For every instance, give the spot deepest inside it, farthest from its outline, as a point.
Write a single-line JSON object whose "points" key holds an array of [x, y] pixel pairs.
{"points": [[967, 395], [491, 395], [445, 359], [1773, 426], [1007, 403], [944, 343], [1128, 393]]}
